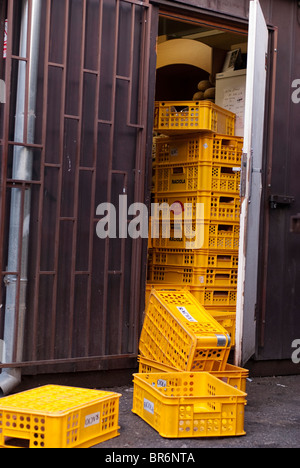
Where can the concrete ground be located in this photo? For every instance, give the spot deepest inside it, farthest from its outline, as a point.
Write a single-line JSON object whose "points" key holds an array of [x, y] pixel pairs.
{"points": [[272, 420]]}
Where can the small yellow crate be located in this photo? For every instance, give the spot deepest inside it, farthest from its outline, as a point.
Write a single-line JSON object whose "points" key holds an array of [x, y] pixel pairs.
{"points": [[185, 405], [215, 206], [58, 417], [233, 375], [222, 150], [178, 331], [193, 276], [194, 177], [197, 258], [173, 117], [221, 236]]}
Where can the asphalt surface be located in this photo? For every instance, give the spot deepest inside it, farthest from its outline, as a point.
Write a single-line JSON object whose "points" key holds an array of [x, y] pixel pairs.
{"points": [[272, 420]]}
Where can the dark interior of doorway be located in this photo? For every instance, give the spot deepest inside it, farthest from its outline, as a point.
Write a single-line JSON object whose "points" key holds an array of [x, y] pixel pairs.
{"points": [[178, 81]]}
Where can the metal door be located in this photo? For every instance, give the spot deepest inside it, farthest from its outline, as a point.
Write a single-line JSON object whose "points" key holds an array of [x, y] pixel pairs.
{"points": [[251, 185], [83, 294]]}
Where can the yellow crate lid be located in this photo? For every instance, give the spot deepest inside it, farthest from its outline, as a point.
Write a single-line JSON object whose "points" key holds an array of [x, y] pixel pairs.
{"points": [[53, 400]]}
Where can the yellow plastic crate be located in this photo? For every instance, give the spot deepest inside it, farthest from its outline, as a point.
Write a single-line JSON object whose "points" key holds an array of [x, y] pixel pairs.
{"points": [[221, 305], [193, 276], [222, 150], [223, 314], [194, 177], [215, 297], [178, 331], [185, 405], [198, 258], [233, 375], [58, 417], [180, 235], [222, 236], [216, 207], [208, 235], [173, 117]]}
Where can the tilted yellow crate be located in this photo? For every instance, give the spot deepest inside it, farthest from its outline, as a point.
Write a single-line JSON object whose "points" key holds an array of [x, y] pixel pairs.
{"points": [[179, 332]]}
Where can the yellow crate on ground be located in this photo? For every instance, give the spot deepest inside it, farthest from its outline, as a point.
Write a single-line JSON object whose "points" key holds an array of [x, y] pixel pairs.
{"points": [[207, 235], [216, 207], [58, 417], [233, 375], [198, 258], [190, 116], [193, 276], [193, 177], [185, 405], [222, 150], [178, 331]]}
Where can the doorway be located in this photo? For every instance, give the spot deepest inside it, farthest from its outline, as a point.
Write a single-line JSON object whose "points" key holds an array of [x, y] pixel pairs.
{"points": [[217, 73]]}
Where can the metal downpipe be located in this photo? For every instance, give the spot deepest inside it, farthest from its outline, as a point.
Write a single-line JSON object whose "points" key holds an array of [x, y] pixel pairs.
{"points": [[20, 204]]}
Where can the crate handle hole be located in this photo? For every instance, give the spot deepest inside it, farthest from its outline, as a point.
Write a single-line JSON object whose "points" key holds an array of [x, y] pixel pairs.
{"points": [[224, 227], [178, 170], [221, 276], [227, 142], [229, 200], [227, 170], [224, 258], [16, 442]]}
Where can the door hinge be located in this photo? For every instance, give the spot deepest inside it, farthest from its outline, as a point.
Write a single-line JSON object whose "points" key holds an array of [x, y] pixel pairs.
{"points": [[243, 175]]}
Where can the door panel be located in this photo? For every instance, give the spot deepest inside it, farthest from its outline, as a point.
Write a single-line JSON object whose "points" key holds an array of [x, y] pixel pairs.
{"points": [[251, 184], [83, 293]]}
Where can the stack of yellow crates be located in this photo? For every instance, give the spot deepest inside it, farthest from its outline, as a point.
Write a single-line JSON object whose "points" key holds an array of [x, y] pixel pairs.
{"points": [[185, 386], [196, 181]]}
